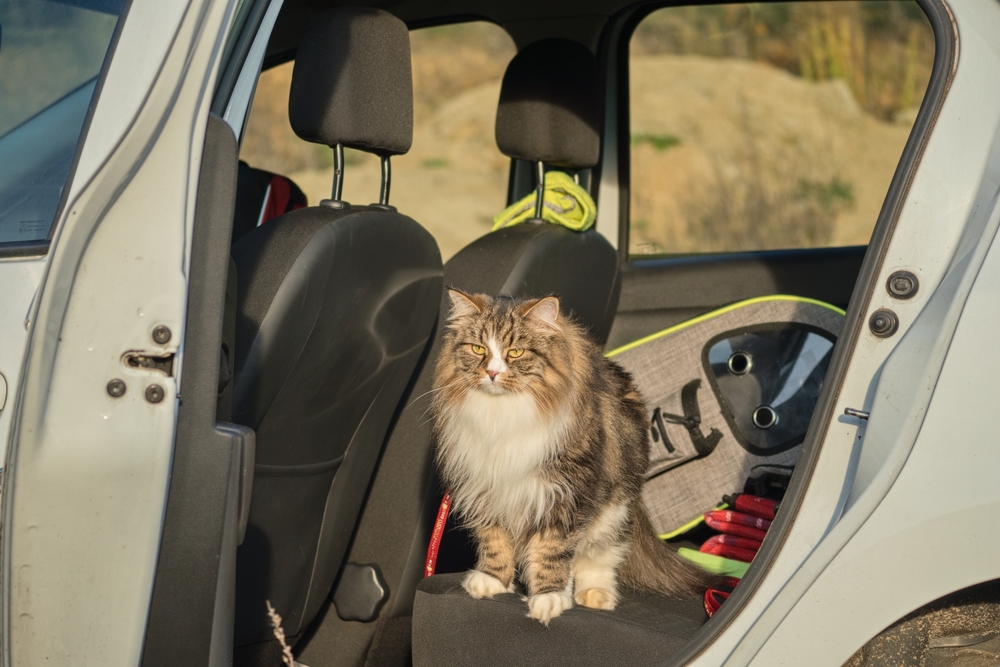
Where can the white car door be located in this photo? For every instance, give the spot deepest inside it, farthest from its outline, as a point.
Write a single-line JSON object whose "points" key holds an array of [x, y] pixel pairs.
{"points": [[93, 409]]}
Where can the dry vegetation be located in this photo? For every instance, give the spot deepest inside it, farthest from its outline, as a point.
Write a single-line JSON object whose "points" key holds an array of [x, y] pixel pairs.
{"points": [[770, 125], [754, 126]]}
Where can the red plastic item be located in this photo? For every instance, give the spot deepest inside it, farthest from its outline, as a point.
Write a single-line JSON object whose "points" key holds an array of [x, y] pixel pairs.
{"points": [[279, 199], [714, 600], [730, 546], [756, 506], [435, 544], [737, 523], [735, 541]]}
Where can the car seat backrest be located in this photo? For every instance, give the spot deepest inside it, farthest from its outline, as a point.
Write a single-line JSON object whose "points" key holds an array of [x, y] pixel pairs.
{"points": [[549, 113], [335, 307]]}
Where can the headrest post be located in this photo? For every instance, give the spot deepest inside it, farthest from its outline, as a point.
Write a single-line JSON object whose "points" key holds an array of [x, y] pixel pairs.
{"points": [[540, 189], [338, 171], [383, 195]]}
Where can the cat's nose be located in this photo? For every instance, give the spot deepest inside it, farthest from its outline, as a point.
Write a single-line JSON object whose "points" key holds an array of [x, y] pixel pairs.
{"points": [[493, 374]]}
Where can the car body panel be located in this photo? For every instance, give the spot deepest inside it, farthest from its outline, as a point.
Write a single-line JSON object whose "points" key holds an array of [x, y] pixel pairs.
{"points": [[88, 472], [20, 279]]}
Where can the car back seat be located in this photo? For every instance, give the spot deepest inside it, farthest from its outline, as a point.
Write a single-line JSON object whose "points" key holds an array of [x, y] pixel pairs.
{"points": [[262, 196], [335, 305]]}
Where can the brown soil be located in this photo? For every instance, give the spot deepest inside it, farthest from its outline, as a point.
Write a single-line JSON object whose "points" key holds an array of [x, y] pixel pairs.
{"points": [[762, 159]]}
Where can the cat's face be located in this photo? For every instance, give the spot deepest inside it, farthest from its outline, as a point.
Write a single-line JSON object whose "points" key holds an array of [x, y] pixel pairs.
{"points": [[501, 345]]}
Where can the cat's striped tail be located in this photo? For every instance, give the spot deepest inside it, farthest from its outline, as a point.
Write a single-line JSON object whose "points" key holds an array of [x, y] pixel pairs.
{"points": [[652, 565]]}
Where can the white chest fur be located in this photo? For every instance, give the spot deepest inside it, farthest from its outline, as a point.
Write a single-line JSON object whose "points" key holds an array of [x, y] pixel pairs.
{"points": [[493, 448]]}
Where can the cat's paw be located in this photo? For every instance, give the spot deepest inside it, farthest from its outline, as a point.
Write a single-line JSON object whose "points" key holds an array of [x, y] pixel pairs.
{"points": [[596, 598], [546, 606], [481, 585]]}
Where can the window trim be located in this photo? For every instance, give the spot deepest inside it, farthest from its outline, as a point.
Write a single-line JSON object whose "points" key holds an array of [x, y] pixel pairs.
{"points": [[40, 247]]}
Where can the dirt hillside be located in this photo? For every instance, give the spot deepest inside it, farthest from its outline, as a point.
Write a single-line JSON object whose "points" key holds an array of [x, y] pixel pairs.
{"points": [[731, 154]]}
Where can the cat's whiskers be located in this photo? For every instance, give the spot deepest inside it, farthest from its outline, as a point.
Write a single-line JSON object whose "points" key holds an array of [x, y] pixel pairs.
{"points": [[435, 390]]}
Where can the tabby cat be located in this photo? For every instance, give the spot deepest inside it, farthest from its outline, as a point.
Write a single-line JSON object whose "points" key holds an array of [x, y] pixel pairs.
{"points": [[542, 442]]}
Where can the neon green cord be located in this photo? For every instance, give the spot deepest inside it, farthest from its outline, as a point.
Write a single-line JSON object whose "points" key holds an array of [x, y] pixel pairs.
{"points": [[721, 311]]}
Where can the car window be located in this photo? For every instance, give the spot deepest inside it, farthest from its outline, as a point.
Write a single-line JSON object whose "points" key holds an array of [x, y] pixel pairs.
{"points": [[766, 126], [454, 179], [50, 56]]}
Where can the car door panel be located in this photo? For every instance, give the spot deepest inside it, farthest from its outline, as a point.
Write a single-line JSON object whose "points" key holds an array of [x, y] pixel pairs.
{"points": [[89, 465], [658, 293]]}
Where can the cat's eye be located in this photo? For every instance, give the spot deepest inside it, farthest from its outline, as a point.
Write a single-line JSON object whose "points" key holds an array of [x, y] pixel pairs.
{"points": [[478, 349], [515, 353]]}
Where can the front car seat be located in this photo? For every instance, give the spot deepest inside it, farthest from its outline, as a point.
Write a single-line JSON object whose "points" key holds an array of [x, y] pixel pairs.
{"points": [[335, 307], [549, 113]]}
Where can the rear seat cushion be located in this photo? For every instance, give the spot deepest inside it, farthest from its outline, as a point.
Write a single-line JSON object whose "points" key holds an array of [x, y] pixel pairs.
{"points": [[262, 196], [451, 628]]}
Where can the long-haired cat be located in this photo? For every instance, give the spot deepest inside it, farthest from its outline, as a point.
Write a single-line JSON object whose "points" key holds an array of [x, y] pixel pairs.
{"points": [[542, 442]]}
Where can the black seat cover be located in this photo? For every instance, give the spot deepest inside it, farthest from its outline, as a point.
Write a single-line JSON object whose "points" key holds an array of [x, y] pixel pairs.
{"points": [[451, 628], [335, 308], [538, 260]]}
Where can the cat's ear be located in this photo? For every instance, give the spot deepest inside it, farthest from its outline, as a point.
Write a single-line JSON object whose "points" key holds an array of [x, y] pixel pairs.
{"points": [[462, 304], [544, 311]]}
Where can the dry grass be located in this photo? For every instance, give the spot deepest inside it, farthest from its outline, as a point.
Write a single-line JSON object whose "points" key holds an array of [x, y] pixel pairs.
{"points": [[279, 634], [883, 51], [758, 158]]}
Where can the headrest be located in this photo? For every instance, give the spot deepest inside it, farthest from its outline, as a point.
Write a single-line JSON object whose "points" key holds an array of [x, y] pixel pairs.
{"points": [[550, 106], [352, 82]]}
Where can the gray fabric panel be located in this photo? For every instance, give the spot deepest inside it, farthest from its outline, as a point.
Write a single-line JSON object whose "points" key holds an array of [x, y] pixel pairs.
{"points": [[450, 628], [352, 82], [550, 105], [675, 494]]}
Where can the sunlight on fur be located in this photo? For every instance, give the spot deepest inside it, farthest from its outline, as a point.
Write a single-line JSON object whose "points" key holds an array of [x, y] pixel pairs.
{"points": [[542, 442]]}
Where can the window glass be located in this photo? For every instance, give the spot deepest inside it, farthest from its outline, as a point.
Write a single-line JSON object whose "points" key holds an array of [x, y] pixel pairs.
{"points": [[50, 56], [454, 179], [764, 126]]}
